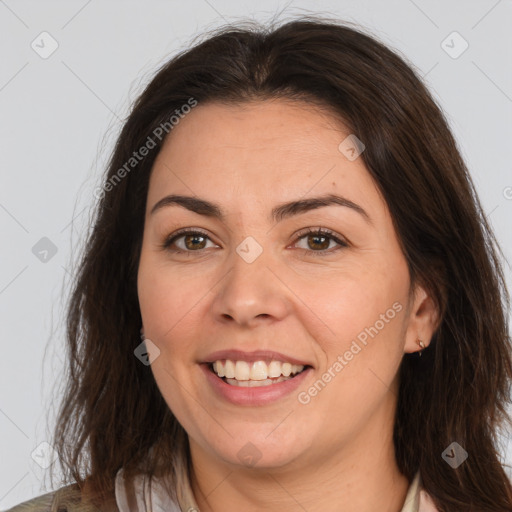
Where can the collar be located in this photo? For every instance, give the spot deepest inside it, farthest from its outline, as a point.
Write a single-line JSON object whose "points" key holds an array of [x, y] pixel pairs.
{"points": [[146, 495], [150, 495], [417, 499]]}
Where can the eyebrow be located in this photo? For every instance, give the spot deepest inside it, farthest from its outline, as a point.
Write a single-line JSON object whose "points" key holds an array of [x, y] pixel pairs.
{"points": [[279, 213]]}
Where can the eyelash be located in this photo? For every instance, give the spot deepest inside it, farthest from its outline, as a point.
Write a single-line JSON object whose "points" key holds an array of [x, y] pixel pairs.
{"points": [[309, 231]]}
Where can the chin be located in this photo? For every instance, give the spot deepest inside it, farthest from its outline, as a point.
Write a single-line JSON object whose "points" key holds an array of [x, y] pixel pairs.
{"points": [[259, 452]]}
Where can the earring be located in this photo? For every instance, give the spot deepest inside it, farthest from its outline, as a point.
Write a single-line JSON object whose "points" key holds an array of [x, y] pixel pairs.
{"points": [[142, 333], [422, 345]]}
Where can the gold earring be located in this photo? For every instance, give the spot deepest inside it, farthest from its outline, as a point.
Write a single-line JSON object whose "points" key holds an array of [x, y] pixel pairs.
{"points": [[422, 345]]}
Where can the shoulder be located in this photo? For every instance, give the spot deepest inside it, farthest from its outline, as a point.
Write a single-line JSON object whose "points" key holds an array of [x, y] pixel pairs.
{"points": [[66, 499], [44, 502]]}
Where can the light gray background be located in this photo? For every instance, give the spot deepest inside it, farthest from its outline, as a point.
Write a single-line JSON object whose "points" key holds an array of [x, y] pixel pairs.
{"points": [[60, 115]]}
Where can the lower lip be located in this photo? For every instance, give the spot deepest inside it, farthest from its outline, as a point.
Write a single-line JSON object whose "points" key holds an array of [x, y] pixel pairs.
{"points": [[259, 395]]}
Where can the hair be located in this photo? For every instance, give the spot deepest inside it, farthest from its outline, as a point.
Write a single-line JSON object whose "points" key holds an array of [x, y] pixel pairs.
{"points": [[457, 391]]}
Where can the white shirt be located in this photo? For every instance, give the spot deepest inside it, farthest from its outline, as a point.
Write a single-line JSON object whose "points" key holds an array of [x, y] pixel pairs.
{"points": [[151, 496]]}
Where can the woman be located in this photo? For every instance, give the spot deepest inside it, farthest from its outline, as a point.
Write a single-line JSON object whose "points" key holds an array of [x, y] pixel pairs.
{"points": [[289, 227]]}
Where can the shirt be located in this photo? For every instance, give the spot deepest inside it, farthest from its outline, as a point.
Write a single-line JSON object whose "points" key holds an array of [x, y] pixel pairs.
{"points": [[151, 496]]}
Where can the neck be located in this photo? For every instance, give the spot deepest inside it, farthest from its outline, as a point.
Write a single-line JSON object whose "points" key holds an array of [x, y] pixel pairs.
{"points": [[362, 475]]}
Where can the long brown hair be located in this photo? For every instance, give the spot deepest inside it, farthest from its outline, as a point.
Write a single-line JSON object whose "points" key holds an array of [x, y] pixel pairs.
{"points": [[113, 415]]}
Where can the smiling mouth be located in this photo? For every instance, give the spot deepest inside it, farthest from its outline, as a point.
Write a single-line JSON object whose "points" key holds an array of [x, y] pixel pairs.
{"points": [[263, 379]]}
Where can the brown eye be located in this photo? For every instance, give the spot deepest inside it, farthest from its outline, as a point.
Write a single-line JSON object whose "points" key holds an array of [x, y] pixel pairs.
{"points": [[318, 242], [194, 241], [186, 241]]}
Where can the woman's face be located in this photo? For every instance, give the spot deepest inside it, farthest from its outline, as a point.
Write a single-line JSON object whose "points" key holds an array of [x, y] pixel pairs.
{"points": [[253, 279]]}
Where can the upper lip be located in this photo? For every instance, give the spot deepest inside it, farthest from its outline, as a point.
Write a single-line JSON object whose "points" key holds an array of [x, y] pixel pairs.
{"points": [[250, 357]]}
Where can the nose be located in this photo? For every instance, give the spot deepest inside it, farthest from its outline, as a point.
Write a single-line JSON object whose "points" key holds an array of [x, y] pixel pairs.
{"points": [[251, 293]]}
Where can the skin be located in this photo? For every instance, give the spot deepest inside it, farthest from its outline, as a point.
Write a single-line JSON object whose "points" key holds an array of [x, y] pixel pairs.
{"points": [[337, 448]]}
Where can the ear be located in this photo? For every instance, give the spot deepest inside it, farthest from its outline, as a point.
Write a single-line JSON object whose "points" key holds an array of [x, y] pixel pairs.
{"points": [[423, 320]]}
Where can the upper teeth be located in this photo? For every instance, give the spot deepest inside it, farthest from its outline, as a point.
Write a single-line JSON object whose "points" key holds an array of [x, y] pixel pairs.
{"points": [[259, 370]]}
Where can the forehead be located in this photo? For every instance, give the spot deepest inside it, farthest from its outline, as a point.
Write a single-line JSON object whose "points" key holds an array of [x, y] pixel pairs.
{"points": [[258, 127], [260, 150]]}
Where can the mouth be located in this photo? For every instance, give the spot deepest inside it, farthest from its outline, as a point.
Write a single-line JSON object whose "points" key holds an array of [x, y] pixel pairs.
{"points": [[258, 384], [256, 374]]}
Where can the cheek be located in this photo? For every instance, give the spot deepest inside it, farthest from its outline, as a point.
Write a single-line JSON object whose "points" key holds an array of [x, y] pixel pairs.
{"points": [[352, 301], [166, 300], [165, 297], [363, 316], [362, 357], [370, 328]]}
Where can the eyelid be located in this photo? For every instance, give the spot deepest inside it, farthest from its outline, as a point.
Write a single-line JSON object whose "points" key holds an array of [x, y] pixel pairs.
{"points": [[322, 231]]}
